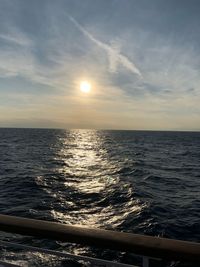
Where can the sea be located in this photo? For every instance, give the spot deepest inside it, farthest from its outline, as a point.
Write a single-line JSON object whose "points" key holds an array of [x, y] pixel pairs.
{"points": [[144, 182]]}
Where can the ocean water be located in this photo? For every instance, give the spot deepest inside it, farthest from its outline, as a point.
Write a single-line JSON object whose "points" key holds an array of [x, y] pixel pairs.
{"points": [[135, 181]]}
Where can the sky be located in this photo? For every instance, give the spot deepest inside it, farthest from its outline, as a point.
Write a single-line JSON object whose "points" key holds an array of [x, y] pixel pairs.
{"points": [[142, 59]]}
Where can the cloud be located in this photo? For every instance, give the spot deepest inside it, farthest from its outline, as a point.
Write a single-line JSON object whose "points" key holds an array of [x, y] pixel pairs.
{"points": [[16, 37], [41, 67], [113, 52]]}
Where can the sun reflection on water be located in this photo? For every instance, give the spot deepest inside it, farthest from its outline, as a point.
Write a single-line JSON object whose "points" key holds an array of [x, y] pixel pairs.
{"points": [[88, 186], [87, 161]]}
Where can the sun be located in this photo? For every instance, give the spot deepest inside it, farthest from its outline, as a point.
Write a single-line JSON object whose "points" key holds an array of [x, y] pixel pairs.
{"points": [[85, 86]]}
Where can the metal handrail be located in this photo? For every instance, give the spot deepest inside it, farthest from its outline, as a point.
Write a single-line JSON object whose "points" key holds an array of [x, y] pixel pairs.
{"points": [[95, 261], [156, 247]]}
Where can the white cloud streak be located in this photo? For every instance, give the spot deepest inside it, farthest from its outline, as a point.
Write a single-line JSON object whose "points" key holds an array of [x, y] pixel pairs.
{"points": [[114, 55], [16, 37]]}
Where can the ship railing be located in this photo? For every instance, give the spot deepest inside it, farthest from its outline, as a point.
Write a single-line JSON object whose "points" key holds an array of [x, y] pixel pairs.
{"points": [[148, 247]]}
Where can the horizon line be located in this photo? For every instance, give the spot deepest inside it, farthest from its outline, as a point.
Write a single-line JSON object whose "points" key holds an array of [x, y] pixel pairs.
{"points": [[99, 129]]}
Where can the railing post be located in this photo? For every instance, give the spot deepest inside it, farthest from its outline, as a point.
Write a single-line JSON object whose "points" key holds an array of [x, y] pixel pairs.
{"points": [[145, 262]]}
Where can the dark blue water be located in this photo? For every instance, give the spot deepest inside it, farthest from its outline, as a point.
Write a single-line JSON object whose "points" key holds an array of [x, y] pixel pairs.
{"points": [[134, 181]]}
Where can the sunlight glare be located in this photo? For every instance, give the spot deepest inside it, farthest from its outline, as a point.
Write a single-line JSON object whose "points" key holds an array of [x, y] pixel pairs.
{"points": [[85, 87]]}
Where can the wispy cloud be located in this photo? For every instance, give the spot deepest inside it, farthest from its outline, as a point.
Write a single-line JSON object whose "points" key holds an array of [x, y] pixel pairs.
{"points": [[16, 38], [113, 51]]}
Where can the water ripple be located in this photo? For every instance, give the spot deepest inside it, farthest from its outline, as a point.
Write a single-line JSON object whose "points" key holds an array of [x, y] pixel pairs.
{"points": [[140, 182]]}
